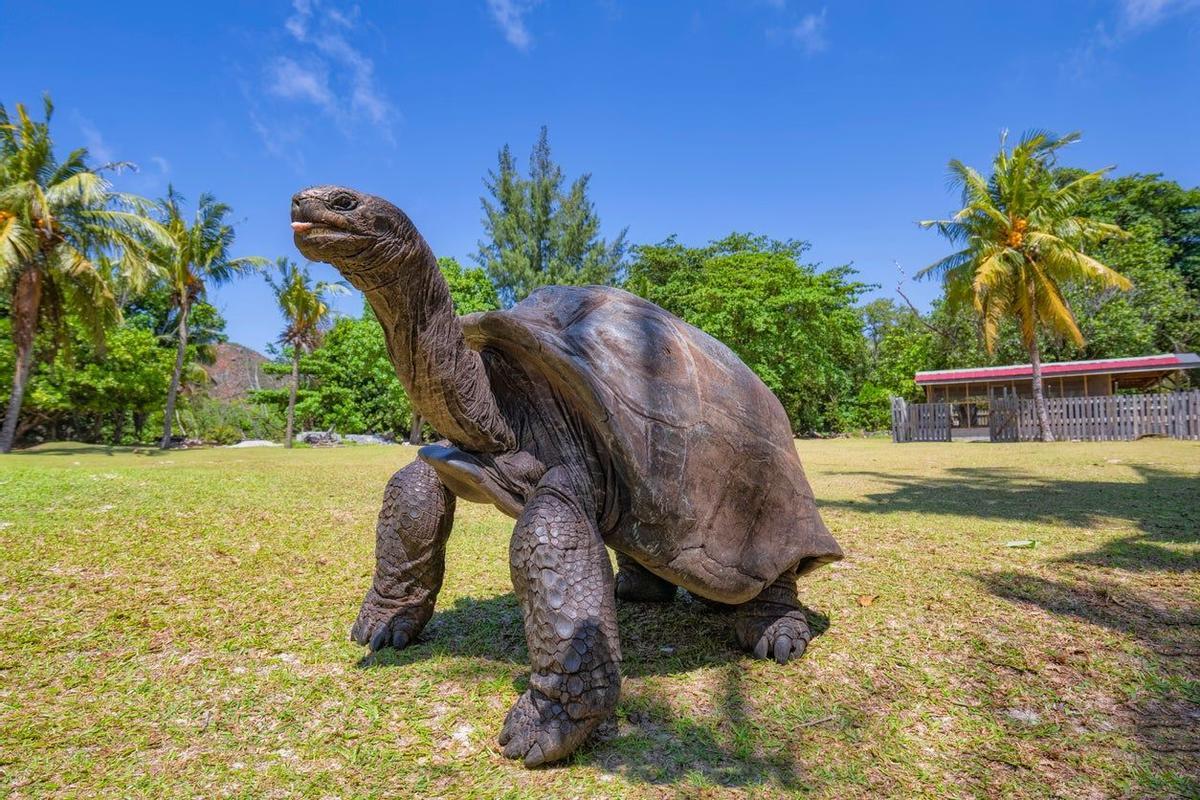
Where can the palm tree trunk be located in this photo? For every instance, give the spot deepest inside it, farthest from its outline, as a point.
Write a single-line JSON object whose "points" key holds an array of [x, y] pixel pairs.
{"points": [[1039, 397], [176, 375], [27, 301], [291, 418], [414, 433]]}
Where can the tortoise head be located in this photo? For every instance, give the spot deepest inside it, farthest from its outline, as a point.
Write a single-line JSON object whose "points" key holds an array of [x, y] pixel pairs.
{"points": [[367, 238]]}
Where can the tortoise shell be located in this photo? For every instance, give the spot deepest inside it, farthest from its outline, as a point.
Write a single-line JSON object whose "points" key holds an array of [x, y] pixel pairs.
{"points": [[716, 499]]}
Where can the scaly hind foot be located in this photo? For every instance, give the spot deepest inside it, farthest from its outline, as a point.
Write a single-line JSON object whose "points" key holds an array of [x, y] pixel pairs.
{"points": [[539, 730], [783, 638], [773, 624]]}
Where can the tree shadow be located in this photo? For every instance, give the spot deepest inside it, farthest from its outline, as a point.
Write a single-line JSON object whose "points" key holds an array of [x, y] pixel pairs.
{"points": [[1164, 712], [1162, 505], [654, 743], [73, 449], [657, 745]]}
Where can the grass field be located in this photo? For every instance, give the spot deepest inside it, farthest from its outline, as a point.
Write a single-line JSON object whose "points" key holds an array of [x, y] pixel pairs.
{"points": [[175, 625]]}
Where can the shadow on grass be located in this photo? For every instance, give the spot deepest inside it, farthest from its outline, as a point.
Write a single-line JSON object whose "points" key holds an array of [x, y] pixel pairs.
{"points": [[656, 743], [1164, 712], [1162, 505], [80, 449]]}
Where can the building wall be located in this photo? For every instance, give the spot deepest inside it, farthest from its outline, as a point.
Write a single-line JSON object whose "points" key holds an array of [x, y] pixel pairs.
{"points": [[1054, 386]]}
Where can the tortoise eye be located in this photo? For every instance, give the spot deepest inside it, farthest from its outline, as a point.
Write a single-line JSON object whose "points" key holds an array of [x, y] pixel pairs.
{"points": [[343, 202]]}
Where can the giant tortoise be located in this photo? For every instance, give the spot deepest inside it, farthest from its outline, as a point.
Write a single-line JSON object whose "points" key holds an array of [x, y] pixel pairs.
{"points": [[597, 420]]}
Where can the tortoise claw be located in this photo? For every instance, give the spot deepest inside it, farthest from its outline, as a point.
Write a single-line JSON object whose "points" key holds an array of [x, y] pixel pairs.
{"points": [[782, 640]]}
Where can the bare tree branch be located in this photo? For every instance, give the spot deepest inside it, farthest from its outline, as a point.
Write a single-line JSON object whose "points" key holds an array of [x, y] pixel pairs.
{"points": [[951, 337]]}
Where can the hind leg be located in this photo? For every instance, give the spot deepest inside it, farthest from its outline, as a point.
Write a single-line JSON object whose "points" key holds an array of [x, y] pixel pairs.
{"points": [[773, 625], [635, 582]]}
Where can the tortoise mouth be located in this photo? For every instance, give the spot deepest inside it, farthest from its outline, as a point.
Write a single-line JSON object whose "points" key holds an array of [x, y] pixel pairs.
{"points": [[317, 232], [320, 241]]}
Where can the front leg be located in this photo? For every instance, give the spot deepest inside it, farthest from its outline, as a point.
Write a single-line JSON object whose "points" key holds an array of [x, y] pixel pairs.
{"points": [[410, 558], [564, 582]]}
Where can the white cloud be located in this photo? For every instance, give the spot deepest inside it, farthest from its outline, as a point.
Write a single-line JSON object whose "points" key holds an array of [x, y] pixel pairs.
{"points": [[809, 33], [297, 24], [1132, 18], [164, 166], [510, 16], [365, 96], [93, 140], [1139, 14], [291, 81], [328, 70], [281, 141]]}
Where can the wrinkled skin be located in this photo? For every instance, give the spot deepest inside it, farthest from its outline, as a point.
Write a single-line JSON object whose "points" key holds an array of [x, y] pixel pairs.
{"points": [[513, 438]]}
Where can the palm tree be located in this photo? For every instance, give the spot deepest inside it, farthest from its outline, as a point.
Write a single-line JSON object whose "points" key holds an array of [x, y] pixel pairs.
{"points": [[197, 259], [59, 220], [1021, 240], [305, 308]]}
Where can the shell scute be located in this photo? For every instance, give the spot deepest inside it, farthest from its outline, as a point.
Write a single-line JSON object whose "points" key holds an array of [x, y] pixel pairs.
{"points": [[718, 500]]}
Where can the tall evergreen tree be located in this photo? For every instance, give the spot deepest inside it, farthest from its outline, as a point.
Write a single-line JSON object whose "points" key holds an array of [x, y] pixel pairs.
{"points": [[541, 232]]}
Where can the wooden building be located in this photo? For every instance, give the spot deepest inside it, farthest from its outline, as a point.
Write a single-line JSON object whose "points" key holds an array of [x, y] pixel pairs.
{"points": [[1098, 378], [1102, 400]]}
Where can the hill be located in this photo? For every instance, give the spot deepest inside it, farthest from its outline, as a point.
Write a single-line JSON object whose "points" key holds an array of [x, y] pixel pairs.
{"points": [[237, 371]]}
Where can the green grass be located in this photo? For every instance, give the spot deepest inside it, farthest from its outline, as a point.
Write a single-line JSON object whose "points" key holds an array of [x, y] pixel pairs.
{"points": [[176, 626]]}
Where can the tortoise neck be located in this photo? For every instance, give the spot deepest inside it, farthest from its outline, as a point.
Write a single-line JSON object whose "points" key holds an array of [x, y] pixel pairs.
{"points": [[444, 379]]}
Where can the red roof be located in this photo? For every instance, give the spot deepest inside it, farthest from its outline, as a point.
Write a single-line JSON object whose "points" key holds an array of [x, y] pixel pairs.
{"points": [[1167, 362]]}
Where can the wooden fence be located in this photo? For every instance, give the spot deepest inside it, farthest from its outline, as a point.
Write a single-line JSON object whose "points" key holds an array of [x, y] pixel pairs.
{"points": [[1115, 418], [1089, 419], [920, 422]]}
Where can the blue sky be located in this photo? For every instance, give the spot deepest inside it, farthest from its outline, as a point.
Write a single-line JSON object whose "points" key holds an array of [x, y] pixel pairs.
{"points": [[825, 121]]}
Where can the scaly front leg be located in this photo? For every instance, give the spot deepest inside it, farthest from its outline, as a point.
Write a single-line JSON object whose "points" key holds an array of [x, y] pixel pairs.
{"points": [[410, 558], [563, 579]]}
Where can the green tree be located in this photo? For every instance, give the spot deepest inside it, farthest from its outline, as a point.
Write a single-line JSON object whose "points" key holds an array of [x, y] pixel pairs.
{"points": [[797, 328], [470, 289], [1158, 315], [83, 388], [128, 377], [897, 342], [305, 309], [197, 258], [153, 309], [351, 385], [540, 233], [1137, 200], [1021, 239], [348, 383], [56, 219]]}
